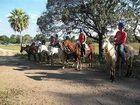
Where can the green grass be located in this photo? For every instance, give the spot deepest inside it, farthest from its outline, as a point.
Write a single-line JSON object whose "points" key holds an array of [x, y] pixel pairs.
{"points": [[10, 47]]}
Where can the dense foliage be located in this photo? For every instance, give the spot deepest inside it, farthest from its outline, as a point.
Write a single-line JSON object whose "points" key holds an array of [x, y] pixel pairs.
{"points": [[95, 16]]}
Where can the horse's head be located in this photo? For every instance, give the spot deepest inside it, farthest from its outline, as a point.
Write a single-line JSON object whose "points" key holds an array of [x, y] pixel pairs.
{"points": [[24, 48], [66, 43], [105, 43], [21, 49]]}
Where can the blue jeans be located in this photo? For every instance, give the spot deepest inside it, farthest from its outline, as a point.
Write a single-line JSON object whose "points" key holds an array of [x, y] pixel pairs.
{"points": [[120, 51]]}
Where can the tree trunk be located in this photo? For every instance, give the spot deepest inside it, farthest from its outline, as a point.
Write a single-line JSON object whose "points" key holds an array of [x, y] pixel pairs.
{"points": [[100, 45], [21, 41]]}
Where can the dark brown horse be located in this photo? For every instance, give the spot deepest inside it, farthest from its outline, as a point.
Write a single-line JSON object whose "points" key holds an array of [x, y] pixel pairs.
{"points": [[31, 50], [75, 48]]}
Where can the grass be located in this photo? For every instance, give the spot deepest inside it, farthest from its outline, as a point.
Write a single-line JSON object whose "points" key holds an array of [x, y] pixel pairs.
{"points": [[10, 47]]}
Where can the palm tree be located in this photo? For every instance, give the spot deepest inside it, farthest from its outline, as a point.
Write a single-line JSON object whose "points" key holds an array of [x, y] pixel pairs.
{"points": [[19, 21]]}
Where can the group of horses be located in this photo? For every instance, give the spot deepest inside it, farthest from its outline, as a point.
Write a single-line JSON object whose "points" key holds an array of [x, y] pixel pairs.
{"points": [[73, 49]]}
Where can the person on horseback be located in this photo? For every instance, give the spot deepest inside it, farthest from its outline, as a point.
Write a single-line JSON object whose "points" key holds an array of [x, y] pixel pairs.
{"points": [[52, 41], [57, 41], [82, 40], [120, 41], [37, 43]]}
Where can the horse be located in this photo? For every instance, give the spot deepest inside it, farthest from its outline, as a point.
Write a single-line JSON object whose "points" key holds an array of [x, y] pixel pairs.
{"points": [[54, 52], [114, 61], [43, 53], [30, 51], [76, 50]]}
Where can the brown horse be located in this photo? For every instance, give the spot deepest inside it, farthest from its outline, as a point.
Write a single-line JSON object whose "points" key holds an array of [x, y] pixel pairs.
{"points": [[31, 50], [75, 48]]}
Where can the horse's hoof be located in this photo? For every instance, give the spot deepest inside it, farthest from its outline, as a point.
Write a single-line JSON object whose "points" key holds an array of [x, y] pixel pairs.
{"points": [[77, 69], [63, 67], [72, 65]]}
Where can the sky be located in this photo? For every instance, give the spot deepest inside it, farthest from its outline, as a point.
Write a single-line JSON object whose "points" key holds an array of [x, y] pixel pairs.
{"points": [[33, 8]]}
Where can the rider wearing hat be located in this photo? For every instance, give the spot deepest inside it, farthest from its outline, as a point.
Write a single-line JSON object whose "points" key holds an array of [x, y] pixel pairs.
{"points": [[120, 40]]}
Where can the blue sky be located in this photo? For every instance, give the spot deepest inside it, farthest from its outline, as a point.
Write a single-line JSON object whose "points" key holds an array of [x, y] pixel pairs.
{"points": [[33, 8]]}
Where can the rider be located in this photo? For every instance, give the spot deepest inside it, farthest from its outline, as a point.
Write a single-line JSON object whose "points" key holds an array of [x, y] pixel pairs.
{"points": [[82, 41], [33, 48], [52, 41], [37, 43], [120, 41]]}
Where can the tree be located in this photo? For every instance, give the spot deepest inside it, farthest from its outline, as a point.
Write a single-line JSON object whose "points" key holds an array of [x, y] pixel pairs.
{"points": [[4, 39], [40, 37], [132, 17], [19, 21], [95, 16], [50, 22], [27, 38], [92, 15], [13, 39]]}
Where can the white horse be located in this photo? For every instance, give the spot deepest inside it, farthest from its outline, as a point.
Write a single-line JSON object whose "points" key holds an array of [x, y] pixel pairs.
{"points": [[112, 59], [55, 52], [43, 52]]}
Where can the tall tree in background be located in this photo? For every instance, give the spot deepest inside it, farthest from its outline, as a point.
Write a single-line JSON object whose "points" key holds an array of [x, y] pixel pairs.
{"points": [[19, 21], [4, 39], [132, 18], [95, 16], [27, 39], [92, 15]]}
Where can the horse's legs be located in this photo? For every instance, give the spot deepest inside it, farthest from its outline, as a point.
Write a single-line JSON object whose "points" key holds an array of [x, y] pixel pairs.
{"points": [[63, 60], [34, 57], [29, 56], [119, 61], [39, 56], [80, 64], [129, 67], [92, 59], [91, 56], [112, 76], [52, 62]]}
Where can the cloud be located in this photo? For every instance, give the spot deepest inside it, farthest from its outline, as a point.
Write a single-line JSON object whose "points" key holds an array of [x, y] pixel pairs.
{"points": [[0, 21]]}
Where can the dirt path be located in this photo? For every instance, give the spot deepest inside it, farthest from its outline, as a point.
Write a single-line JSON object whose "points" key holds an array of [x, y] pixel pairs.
{"points": [[29, 83]]}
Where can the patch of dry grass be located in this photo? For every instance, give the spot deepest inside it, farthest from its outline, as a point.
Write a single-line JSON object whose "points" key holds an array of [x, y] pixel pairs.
{"points": [[11, 47]]}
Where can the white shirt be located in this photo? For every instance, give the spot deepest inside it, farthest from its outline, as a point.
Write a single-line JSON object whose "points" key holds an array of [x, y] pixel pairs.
{"points": [[42, 48]]}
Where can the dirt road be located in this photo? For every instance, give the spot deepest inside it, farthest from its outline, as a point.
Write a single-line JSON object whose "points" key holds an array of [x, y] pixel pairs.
{"points": [[30, 83]]}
